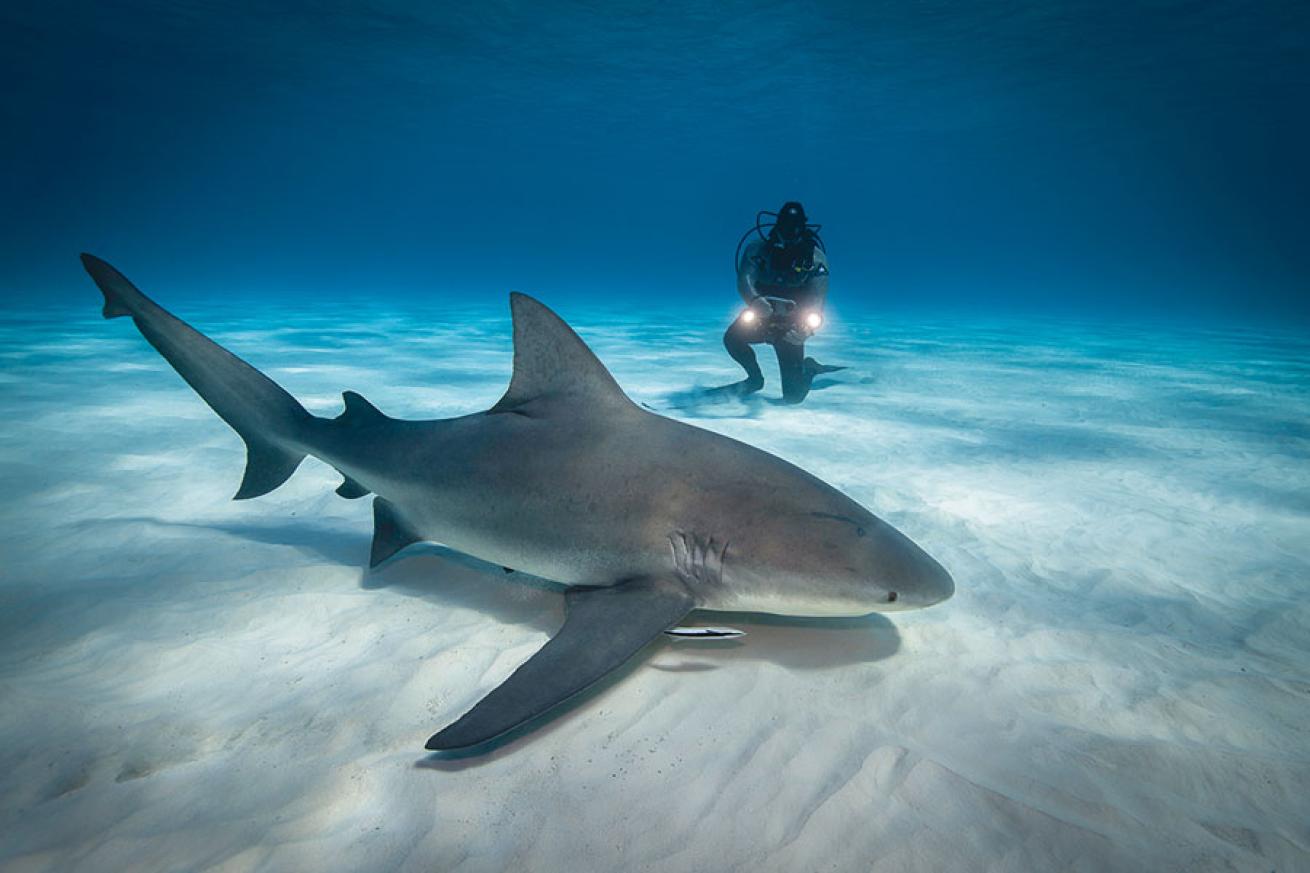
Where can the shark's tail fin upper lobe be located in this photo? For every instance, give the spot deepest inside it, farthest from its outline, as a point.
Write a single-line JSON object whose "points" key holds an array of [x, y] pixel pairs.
{"points": [[269, 419]]}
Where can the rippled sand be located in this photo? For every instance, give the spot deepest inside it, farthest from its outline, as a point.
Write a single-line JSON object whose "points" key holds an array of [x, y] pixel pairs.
{"points": [[1120, 683]]}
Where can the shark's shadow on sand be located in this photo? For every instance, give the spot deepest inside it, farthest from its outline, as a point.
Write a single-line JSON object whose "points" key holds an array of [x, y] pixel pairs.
{"points": [[447, 578], [450, 578]]}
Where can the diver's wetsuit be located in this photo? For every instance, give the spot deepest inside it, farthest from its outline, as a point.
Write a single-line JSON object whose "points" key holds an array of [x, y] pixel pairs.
{"points": [[760, 275]]}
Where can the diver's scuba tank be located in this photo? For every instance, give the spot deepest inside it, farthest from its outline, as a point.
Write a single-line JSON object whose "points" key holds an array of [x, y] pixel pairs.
{"points": [[789, 236]]}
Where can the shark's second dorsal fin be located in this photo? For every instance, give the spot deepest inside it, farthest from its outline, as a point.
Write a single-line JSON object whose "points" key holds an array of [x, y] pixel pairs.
{"points": [[359, 411], [550, 360]]}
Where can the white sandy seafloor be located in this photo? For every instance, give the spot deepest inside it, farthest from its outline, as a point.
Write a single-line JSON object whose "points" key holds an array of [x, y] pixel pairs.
{"points": [[1122, 681]]}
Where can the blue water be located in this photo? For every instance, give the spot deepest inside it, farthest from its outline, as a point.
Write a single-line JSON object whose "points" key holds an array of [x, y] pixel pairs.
{"points": [[1070, 253], [1000, 155]]}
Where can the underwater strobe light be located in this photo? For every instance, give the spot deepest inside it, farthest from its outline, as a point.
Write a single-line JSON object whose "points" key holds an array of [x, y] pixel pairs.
{"points": [[814, 321], [748, 317]]}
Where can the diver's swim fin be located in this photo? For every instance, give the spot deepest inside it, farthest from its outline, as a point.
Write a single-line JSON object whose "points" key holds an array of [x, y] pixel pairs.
{"points": [[603, 628], [814, 368]]}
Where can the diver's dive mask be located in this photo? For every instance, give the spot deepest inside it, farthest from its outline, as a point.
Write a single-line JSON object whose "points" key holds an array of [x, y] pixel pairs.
{"points": [[790, 224]]}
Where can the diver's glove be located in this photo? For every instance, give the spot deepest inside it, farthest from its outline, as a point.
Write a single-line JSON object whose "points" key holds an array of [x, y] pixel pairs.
{"points": [[763, 308]]}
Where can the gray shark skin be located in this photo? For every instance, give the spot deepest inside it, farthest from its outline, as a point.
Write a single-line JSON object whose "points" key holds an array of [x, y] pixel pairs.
{"points": [[644, 518]]}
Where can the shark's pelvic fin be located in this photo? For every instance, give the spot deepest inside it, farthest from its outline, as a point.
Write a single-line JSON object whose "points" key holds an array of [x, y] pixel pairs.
{"points": [[603, 628], [551, 361], [269, 419], [390, 532]]}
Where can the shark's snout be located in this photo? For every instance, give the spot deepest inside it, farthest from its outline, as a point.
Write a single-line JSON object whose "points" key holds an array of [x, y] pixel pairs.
{"points": [[927, 584], [938, 584], [904, 576]]}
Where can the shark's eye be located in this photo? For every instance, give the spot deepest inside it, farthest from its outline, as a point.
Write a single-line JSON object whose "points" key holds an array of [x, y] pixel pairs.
{"points": [[891, 596]]}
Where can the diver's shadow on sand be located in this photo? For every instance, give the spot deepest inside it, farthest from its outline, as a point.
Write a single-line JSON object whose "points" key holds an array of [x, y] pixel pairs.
{"points": [[728, 401], [731, 400], [719, 401]]}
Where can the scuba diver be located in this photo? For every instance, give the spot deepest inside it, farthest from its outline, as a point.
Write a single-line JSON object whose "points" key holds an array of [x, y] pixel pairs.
{"points": [[783, 278]]}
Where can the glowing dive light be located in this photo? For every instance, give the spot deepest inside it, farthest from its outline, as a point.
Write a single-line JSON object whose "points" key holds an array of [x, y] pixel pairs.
{"points": [[748, 317], [814, 321]]}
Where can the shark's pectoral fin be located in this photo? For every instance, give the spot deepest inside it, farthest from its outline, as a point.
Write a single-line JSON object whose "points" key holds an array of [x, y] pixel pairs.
{"points": [[391, 533], [603, 628]]}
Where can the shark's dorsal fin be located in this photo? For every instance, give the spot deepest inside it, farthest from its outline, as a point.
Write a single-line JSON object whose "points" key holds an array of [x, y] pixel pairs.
{"points": [[551, 361]]}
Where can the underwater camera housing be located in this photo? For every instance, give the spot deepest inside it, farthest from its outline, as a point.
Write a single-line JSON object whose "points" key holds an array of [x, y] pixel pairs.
{"points": [[785, 315]]}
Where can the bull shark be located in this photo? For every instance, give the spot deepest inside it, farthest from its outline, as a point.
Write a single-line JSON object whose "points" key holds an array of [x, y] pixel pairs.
{"points": [[641, 517]]}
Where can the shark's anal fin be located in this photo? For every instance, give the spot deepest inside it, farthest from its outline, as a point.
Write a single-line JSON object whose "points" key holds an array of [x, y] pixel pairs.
{"points": [[390, 533], [603, 628]]}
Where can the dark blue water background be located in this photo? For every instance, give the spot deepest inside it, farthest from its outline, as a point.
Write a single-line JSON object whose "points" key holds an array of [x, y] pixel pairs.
{"points": [[1122, 159]]}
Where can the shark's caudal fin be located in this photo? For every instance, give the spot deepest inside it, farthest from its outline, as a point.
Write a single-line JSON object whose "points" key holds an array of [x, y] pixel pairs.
{"points": [[551, 361], [269, 419]]}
